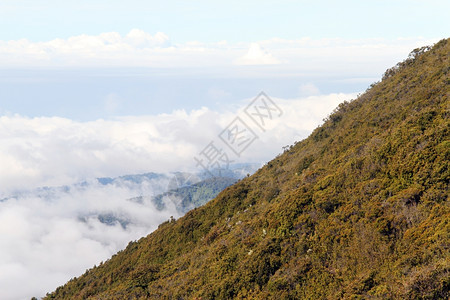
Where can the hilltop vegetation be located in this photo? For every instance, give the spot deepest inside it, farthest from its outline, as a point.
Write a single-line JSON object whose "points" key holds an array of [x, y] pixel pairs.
{"points": [[358, 210]]}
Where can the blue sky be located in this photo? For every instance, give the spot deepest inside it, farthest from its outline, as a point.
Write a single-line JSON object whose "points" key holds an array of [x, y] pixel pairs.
{"points": [[234, 21]]}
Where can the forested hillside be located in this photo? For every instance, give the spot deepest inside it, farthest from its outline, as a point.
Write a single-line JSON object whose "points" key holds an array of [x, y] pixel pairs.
{"points": [[358, 210]]}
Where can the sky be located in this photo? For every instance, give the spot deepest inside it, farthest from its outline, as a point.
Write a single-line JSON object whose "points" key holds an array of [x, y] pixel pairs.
{"points": [[105, 88], [87, 60], [234, 21]]}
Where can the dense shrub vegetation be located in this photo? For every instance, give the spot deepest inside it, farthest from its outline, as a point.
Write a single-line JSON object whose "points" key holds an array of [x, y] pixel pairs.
{"points": [[359, 210]]}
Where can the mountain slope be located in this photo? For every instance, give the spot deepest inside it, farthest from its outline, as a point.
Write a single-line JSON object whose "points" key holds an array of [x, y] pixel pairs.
{"points": [[357, 210]]}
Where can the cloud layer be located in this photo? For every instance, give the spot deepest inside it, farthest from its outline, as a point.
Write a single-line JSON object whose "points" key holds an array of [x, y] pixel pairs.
{"points": [[55, 151], [52, 235], [49, 238], [139, 48], [257, 56]]}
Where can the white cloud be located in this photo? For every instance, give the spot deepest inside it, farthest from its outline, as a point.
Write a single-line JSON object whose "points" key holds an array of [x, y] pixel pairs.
{"points": [[141, 49], [106, 49], [56, 151], [46, 240], [257, 56]]}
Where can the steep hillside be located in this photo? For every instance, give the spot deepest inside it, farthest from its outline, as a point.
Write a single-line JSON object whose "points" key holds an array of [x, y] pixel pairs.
{"points": [[357, 210]]}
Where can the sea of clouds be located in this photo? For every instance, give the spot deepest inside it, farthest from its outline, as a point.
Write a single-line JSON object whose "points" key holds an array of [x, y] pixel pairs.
{"points": [[51, 200]]}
